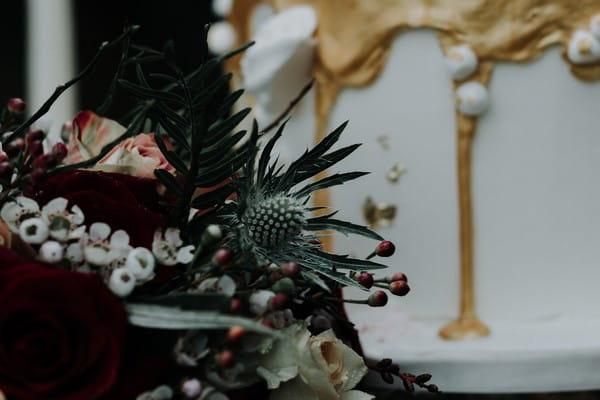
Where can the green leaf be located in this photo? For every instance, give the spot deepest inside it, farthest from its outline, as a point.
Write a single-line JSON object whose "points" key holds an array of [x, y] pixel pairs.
{"points": [[169, 181], [228, 103], [167, 317], [314, 224], [334, 275], [266, 154], [148, 93], [213, 197], [332, 180], [322, 163], [221, 128], [346, 262], [200, 301], [172, 157], [315, 279]]}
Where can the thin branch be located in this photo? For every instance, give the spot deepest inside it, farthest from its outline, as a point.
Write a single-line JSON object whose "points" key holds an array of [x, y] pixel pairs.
{"points": [[289, 108], [62, 88]]}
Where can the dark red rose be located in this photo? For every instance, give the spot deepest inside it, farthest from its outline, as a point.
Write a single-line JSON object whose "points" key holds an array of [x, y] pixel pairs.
{"points": [[61, 332], [121, 201]]}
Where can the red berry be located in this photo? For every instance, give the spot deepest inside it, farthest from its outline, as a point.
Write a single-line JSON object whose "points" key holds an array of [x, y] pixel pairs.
{"points": [[6, 170], [3, 156], [223, 256], [32, 136], [275, 276], [38, 175], [45, 161], [236, 306], [385, 249], [235, 334], [365, 279], [278, 302], [378, 299], [15, 105], [15, 147], [399, 288], [36, 148], [60, 151], [290, 269], [226, 359], [268, 323], [398, 276]]}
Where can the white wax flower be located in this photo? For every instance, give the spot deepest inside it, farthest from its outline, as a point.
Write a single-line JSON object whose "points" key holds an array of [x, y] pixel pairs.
{"points": [[461, 62], [121, 282], [472, 98], [280, 63], [584, 48]]}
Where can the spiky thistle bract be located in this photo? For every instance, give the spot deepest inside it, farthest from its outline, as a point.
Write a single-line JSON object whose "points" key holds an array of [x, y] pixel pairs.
{"points": [[272, 218]]}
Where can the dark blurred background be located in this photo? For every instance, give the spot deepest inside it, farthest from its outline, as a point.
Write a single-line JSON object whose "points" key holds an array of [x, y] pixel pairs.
{"points": [[100, 20]]}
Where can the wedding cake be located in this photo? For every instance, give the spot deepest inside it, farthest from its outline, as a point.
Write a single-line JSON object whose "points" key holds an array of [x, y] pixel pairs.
{"points": [[480, 123]]}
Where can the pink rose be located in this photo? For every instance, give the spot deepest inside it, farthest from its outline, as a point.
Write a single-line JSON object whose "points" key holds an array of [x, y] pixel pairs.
{"points": [[138, 156], [141, 154]]}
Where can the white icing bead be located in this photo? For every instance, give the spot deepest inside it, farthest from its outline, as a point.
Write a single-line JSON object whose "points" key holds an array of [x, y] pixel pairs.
{"points": [[595, 26], [222, 7], [461, 62], [584, 48], [472, 98], [221, 37]]}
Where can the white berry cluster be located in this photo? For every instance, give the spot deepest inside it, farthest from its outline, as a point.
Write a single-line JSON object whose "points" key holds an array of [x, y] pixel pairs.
{"points": [[59, 236], [274, 220]]}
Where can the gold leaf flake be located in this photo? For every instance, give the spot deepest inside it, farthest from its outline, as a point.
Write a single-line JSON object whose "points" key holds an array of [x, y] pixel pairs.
{"points": [[394, 174], [378, 214]]}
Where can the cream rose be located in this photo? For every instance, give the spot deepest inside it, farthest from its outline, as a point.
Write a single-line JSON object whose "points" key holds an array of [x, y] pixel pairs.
{"points": [[137, 156], [305, 367]]}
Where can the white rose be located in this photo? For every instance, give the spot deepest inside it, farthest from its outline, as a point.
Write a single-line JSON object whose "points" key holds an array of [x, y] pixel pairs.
{"points": [[305, 367]]}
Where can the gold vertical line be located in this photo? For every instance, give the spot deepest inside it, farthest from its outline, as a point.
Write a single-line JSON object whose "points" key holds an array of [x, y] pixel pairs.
{"points": [[467, 324]]}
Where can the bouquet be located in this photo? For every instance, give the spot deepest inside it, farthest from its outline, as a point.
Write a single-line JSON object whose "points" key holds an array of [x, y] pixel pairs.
{"points": [[167, 255]]}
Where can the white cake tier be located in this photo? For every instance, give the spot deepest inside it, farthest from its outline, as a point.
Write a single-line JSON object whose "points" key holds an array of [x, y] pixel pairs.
{"points": [[557, 354], [536, 194]]}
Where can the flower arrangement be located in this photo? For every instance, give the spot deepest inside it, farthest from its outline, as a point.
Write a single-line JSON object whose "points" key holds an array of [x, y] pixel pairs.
{"points": [[169, 256]]}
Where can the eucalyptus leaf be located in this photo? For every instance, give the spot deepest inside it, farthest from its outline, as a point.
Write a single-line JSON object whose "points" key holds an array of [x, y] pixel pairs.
{"points": [[165, 317]]}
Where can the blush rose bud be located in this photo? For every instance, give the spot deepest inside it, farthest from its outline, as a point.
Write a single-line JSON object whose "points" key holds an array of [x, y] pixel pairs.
{"points": [[235, 334], [223, 257], [377, 299], [236, 306], [36, 148], [6, 170], [15, 147], [278, 302], [365, 279], [385, 249], [290, 269], [59, 150], [38, 174], [398, 276], [15, 105], [226, 359], [399, 288]]}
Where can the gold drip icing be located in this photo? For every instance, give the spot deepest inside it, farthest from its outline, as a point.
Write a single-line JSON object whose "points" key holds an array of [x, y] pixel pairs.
{"points": [[467, 324], [354, 38]]}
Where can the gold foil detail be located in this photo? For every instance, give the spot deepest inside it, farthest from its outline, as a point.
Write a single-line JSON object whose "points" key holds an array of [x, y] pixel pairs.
{"points": [[394, 174], [384, 142], [378, 215]]}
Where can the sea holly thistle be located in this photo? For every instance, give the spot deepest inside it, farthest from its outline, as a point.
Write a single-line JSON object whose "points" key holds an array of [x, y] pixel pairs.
{"points": [[271, 217]]}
